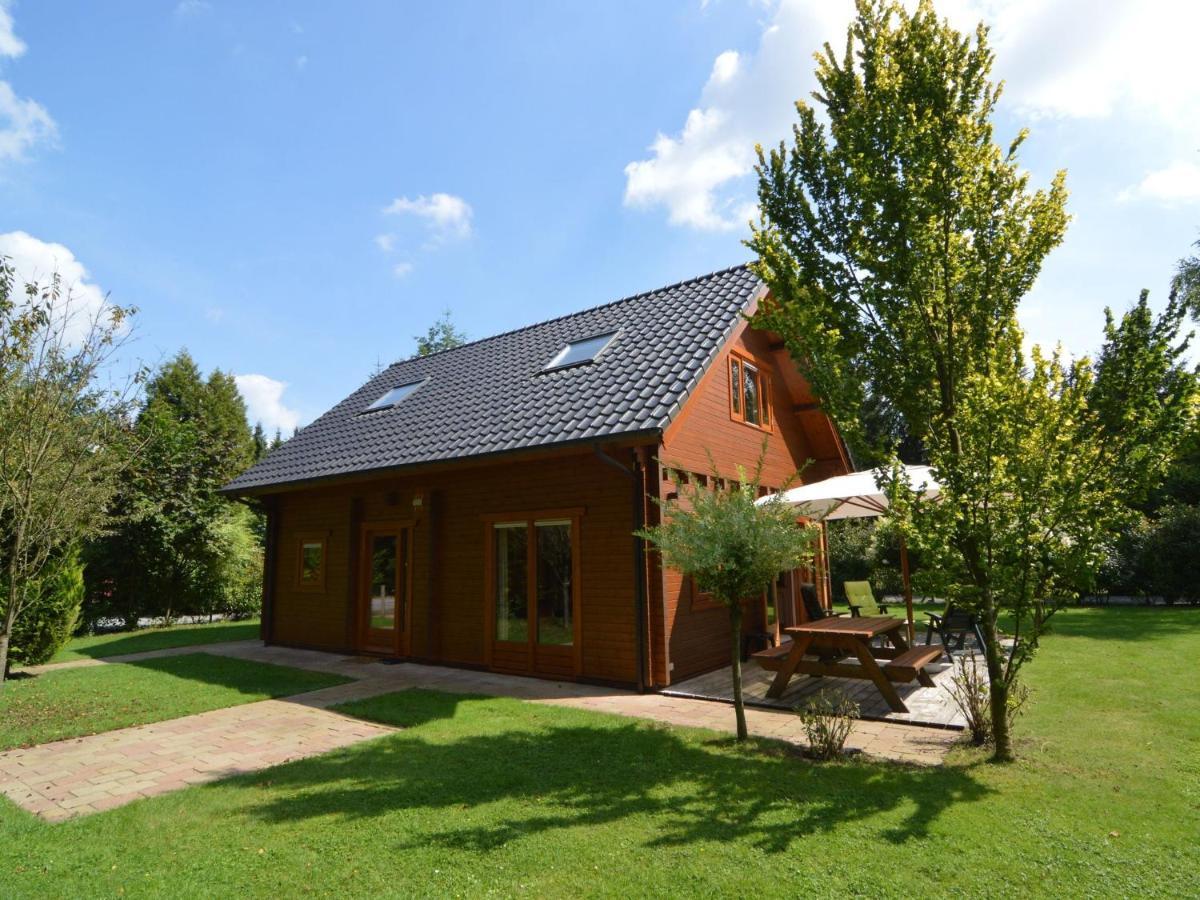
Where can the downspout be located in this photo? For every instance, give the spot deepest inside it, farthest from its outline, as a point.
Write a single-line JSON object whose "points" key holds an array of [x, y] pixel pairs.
{"points": [[637, 477]]}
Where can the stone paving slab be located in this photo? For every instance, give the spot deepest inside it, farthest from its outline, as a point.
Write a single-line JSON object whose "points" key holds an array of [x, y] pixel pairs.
{"points": [[928, 706]]}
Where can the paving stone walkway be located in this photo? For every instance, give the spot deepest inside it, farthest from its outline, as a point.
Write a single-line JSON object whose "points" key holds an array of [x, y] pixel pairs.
{"points": [[84, 775]]}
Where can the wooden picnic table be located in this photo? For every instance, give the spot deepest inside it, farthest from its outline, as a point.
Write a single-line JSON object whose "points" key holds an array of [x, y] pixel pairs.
{"points": [[834, 639]]}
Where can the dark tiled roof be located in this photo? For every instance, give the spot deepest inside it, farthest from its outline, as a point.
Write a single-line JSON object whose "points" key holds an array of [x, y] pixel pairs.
{"points": [[492, 396]]}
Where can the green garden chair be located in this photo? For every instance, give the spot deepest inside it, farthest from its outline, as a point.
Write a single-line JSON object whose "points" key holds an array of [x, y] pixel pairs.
{"points": [[862, 599]]}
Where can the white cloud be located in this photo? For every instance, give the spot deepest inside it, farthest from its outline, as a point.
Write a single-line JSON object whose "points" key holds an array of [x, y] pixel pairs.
{"points": [[214, 314], [402, 269], [385, 242], [1175, 185], [446, 216], [264, 402], [10, 44], [186, 8], [301, 62], [700, 175], [36, 261], [23, 124], [1077, 59], [1061, 59]]}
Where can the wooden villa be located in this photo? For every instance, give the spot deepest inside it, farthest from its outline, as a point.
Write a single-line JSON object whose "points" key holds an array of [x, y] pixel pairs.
{"points": [[476, 507]]}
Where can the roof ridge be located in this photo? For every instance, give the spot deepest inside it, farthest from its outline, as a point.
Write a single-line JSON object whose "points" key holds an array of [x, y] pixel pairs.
{"points": [[578, 312]]}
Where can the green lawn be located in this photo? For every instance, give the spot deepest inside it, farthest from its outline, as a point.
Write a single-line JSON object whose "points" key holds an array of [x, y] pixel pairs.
{"points": [[102, 645], [496, 796], [73, 702]]}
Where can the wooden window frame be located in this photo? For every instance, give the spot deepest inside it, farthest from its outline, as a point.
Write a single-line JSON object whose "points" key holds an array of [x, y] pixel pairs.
{"points": [[314, 585], [737, 396], [530, 518]]}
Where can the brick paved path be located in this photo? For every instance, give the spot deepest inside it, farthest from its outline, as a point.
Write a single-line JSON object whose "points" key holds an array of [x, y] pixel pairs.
{"points": [[83, 775]]}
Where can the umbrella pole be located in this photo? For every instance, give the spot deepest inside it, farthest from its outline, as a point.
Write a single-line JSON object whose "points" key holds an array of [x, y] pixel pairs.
{"points": [[908, 603]]}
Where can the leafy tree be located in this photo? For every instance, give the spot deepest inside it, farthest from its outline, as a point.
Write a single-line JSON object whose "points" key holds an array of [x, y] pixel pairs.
{"points": [[732, 548], [51, 612], [63, 433], [277, 441], [897, 241], [442, 335], [1145, 354], [172, 552]]}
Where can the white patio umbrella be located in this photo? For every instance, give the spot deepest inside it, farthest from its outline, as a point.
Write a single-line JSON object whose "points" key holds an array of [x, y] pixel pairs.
{"points": [[857, 496]]}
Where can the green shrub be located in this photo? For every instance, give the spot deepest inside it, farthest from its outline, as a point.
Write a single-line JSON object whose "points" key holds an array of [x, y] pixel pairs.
{"points": [[48, 620], [240, 566], [827, 721], [1172, 559]]}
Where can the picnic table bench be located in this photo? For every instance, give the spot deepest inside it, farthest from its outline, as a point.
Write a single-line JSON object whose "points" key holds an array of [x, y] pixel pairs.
{"points": [[832, 640]]}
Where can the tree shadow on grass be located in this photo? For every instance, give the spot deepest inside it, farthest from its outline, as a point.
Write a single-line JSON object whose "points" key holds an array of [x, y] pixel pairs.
{"points": [[170, 638], [497, 770], [241, 675]]}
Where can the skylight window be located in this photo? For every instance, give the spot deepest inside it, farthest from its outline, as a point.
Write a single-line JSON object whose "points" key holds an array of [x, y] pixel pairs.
{"points": [[577, 353], [394, 396]]}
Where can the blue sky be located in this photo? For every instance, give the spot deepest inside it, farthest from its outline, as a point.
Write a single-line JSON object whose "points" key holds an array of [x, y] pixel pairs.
{"points": [[293, 190]]}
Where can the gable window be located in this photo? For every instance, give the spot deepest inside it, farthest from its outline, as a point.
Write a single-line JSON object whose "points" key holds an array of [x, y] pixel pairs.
{"points": [[581, 352], [394, 396], [310, 563], [749, 393]]}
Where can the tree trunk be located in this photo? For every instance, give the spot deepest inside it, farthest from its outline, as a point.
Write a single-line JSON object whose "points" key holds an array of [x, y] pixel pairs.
{"points": [[735, 625], [7, 623], [998, 688], [4, 656]]}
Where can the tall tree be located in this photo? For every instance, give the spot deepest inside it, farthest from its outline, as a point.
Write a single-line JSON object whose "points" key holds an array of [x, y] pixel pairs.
{"points": [[63, 433], [260, 441], [897, 240], [170, 553], [442, 335], [1145, 356]]}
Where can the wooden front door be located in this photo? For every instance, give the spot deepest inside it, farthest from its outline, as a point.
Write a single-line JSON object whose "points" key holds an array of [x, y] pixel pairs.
{"points": [[384, 607]]}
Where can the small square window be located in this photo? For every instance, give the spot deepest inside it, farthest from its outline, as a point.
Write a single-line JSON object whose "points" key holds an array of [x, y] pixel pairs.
{"points": [[578, 353], [310, 563], [394, 396]]}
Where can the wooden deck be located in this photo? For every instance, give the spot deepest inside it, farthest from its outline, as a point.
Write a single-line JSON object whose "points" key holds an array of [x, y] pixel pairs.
{"points": [[927, 706]]}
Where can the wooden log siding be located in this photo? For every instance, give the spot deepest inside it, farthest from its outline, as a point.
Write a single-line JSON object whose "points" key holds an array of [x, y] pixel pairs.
{"points": [[697, 634], [449, 577]]}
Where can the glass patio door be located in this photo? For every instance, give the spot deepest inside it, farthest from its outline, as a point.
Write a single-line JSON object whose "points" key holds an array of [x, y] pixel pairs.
{"points": [[534, 595], [383, 605]]}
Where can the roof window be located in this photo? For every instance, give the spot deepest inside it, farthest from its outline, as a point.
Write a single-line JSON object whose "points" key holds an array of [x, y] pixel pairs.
{"points": [[394, 396], [580, 352]]}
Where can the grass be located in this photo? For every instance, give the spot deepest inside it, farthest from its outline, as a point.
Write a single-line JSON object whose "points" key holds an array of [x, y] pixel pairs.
{"points": [[497, 796], [102, 645], [73, 702]]}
